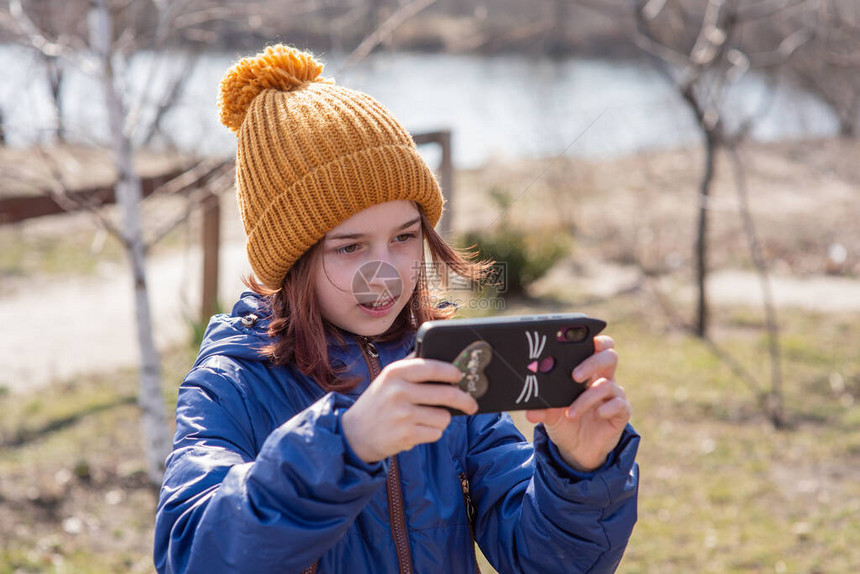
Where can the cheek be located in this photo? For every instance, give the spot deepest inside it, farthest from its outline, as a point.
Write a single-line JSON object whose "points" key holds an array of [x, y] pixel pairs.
{"points": [[325, 290], [409, 265], [333, 275]]}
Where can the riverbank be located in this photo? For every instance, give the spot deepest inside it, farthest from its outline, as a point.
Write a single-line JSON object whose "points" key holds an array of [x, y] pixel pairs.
{"points": [[642, 209]]}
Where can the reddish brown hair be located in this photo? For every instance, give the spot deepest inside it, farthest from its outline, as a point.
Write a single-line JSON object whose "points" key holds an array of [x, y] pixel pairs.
{"points": [[299, 332]]}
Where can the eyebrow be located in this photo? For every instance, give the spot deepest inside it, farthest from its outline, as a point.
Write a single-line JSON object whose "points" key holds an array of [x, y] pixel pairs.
{"points": [[409, 223]]}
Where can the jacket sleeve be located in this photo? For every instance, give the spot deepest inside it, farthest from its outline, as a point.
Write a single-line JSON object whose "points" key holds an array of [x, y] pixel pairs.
{"points": [[222, 508], [536, 514]]}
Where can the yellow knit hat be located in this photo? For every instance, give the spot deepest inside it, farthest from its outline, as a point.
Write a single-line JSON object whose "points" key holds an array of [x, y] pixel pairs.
{"points": [[311, 155]]}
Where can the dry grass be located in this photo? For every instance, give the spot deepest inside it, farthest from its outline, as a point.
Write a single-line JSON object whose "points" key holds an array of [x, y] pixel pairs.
{"points": [[721, 490]]}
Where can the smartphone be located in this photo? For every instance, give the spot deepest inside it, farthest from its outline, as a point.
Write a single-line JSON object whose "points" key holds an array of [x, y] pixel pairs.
{"points": [[514, 362]]}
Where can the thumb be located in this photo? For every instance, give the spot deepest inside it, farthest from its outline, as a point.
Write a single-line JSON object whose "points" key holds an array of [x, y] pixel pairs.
{"points": [[536, 416], [548, 417]]}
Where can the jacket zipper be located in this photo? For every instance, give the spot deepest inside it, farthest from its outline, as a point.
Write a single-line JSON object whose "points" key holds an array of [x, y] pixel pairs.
{"points": [[470, 515], [396, 510]]}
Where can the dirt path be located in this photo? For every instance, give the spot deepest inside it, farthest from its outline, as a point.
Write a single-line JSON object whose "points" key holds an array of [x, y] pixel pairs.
{"points": [[822, 293], [86, 325], [725, 287]]}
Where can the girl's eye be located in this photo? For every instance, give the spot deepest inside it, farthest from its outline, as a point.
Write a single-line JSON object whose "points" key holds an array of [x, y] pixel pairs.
{"points": [[347, 249], [405, 236]]}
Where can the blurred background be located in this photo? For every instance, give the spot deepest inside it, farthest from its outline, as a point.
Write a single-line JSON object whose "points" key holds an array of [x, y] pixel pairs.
{"points": [[684, 169]]}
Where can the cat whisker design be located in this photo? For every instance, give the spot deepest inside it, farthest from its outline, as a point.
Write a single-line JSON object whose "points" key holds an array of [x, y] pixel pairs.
{"points": [[535, 348], [537, 343], [530, 386]]}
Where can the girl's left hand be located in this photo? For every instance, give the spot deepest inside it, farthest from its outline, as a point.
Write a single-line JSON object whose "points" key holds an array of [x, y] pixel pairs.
{"points": [[587, 431]]}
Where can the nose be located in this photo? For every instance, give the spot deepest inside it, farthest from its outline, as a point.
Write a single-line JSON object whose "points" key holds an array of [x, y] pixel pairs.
{"points": [[382, 253], [382, 275]]}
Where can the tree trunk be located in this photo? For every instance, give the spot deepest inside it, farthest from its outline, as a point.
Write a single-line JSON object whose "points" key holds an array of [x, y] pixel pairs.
{"points": [[701, 247], [558, 36], [55, 82], [774, 404], [128, 194], [848, 122]]}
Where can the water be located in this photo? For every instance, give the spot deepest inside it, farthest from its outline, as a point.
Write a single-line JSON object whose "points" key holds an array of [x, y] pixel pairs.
{"points": [[497, 107]]}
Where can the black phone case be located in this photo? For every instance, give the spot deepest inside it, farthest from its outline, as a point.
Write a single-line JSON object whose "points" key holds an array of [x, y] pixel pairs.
{"points": [[531, 362]]}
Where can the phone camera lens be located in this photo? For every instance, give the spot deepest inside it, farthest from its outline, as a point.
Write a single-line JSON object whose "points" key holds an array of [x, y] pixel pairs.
{"points": [[573, 334]]}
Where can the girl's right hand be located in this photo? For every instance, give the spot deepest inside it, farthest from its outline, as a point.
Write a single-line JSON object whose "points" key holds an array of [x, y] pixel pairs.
{"points": [[399, 409]]}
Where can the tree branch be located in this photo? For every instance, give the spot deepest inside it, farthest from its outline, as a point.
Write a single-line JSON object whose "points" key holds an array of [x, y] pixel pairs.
{"points": [[60, 193], [677, 322], [711, 35], [200, 179], [774, 402], [786, 49], [762, 10], [400, 16], [40, 42]]}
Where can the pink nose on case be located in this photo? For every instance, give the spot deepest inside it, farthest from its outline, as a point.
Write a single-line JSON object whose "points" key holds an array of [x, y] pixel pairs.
{"points": [[545, 366]]}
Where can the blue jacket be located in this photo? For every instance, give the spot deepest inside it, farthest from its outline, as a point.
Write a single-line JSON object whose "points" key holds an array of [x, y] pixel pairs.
{"points": [[261, 479]]}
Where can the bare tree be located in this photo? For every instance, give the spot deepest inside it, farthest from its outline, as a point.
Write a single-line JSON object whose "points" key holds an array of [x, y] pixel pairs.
{"points": [[703, 52], [701, 66], [102, 49], [703, 47], [129, 195], [829, 66], [100, 37]]}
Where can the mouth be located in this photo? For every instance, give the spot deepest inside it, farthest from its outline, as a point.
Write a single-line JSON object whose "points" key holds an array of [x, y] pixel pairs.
{"points": [[379, 305]]}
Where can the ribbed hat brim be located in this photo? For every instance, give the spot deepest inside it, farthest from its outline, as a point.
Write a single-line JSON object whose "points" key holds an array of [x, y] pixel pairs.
{"points": [[287, 229]]}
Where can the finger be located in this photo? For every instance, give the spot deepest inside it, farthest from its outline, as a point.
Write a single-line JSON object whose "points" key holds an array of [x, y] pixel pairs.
{"points": [[443, 396], [536, 416], [601, 391], [617, 408], [422, 434], [431, 417], [602, 364], [546, 416], [422, 370], [603, 342]]}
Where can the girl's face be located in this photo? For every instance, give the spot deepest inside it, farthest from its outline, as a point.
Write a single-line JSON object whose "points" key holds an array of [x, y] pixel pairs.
{"points": [[369, 267]]}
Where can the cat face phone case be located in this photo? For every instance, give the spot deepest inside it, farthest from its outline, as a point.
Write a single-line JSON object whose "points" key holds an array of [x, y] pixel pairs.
{"points": [[516, 362]]}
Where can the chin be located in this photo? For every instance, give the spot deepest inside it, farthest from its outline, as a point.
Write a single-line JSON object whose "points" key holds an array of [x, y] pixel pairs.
{"points": [[375, 327]]}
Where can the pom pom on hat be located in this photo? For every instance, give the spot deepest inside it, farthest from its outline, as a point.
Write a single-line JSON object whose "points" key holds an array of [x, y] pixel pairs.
{"points": [[311, 155], [279, 67]]}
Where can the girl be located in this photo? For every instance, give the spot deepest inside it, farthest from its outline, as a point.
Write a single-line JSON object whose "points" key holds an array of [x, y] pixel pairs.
{"points": [[306, 440]]}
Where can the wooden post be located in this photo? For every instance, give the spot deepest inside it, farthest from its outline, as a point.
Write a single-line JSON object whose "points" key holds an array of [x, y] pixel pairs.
{"points": [[211, 208], [446, 174]]}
